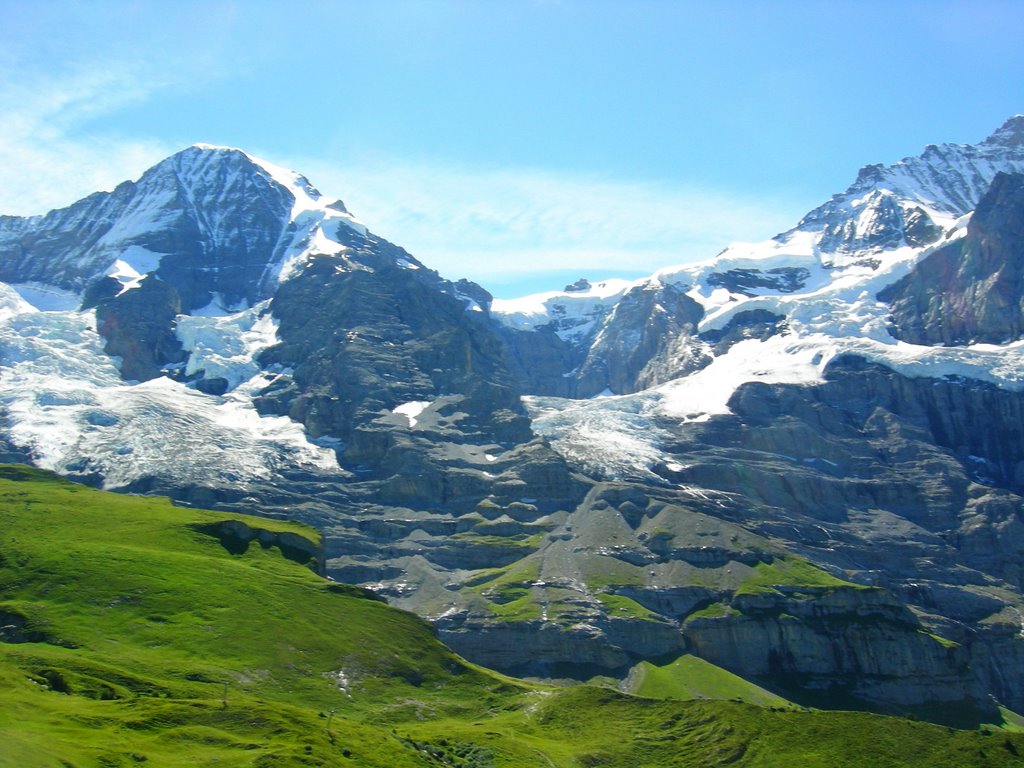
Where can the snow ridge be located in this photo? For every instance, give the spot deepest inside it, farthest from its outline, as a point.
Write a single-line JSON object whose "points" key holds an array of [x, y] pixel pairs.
{"points": [[203, 208], [826, 299], [945, 182]]}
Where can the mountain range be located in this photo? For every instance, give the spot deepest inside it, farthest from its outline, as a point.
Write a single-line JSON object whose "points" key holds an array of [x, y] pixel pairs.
{"points": [[801, 460]]}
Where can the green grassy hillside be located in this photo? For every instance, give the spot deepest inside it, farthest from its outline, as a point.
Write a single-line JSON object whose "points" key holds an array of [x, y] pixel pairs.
{"points": [[137, 633], [689, 677]]}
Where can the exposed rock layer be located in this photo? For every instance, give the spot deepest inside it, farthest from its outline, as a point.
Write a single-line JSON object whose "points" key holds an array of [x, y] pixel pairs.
{"points": [[970, 291]]}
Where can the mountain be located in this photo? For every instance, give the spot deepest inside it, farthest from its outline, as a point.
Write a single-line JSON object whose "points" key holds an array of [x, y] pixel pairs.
{"points": [[800, 460], [217, 224], [624, 337]]}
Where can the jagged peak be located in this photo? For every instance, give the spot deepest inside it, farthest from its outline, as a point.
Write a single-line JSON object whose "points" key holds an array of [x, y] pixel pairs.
{"points": [[207, 153], [1010, 133], [204, 154], [214, 148]]}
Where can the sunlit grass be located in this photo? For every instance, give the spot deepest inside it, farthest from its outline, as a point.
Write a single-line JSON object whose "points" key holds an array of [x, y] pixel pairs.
{"points": [[131, 637]]}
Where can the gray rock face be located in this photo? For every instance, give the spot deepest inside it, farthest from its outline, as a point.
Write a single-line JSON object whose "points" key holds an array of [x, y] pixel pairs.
{"points": [[971, 290], [752, 324], [138, 326], [602, 644], [854, 640], [892, 481], [649, 337], [782, 279], [542, 360], [400, 335]]}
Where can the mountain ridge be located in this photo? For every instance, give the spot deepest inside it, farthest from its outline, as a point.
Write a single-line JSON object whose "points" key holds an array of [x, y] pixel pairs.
{"points": [[737, 454]]}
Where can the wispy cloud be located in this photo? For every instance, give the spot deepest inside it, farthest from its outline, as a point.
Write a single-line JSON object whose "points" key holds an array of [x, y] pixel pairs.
{"points": [[47, 160], [491, 225], [502, 224]]}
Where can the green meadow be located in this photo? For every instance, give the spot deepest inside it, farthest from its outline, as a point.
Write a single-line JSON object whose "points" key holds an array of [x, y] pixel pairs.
{"points": [[134, 632]]}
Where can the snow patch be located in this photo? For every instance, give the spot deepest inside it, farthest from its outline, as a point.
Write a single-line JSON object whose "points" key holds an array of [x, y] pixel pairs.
{"points": [[47, 298], [226, 347], [412, 410], [134, 263], [68, 407]]}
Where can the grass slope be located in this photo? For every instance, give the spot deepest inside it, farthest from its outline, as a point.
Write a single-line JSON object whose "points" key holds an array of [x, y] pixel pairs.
{"points": [[689, 677], [129, 637]]}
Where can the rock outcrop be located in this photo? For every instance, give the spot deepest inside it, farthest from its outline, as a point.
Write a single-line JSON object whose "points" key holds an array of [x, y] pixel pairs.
{"points": [[972, 290], [138, 327], [859, 642], [647, 337]]}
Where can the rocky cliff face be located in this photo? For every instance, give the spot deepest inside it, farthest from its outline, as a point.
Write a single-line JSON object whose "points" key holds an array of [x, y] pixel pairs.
{"points": [[891, 481], [970, 291], [837, 640], [647, 337], [138, 327]]}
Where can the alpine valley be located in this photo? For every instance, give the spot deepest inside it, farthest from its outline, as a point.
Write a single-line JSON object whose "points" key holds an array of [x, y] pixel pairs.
{"points": [[801, 461]]}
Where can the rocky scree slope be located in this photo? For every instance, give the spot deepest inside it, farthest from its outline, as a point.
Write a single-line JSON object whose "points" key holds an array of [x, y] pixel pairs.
{"points": [[774, 422]]}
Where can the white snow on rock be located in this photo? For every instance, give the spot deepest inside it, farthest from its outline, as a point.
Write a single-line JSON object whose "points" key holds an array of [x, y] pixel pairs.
{"points": [[412, 410], [575, 314], [67, 405], [133, 264], [227, 346]]}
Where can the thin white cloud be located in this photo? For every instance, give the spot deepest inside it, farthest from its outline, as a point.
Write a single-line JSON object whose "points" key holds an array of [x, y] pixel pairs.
{"points": [[46, 159], [490, 225], [493, 224]]}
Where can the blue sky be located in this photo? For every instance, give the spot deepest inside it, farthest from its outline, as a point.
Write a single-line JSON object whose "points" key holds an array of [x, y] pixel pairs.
{"points": [[520, 143]]}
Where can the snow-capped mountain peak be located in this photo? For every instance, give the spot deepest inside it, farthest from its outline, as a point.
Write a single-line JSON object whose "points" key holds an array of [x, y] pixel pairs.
{"points": [[914, 200], [782, 309], [1010, 134], [240, 221], [306, 195]]}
